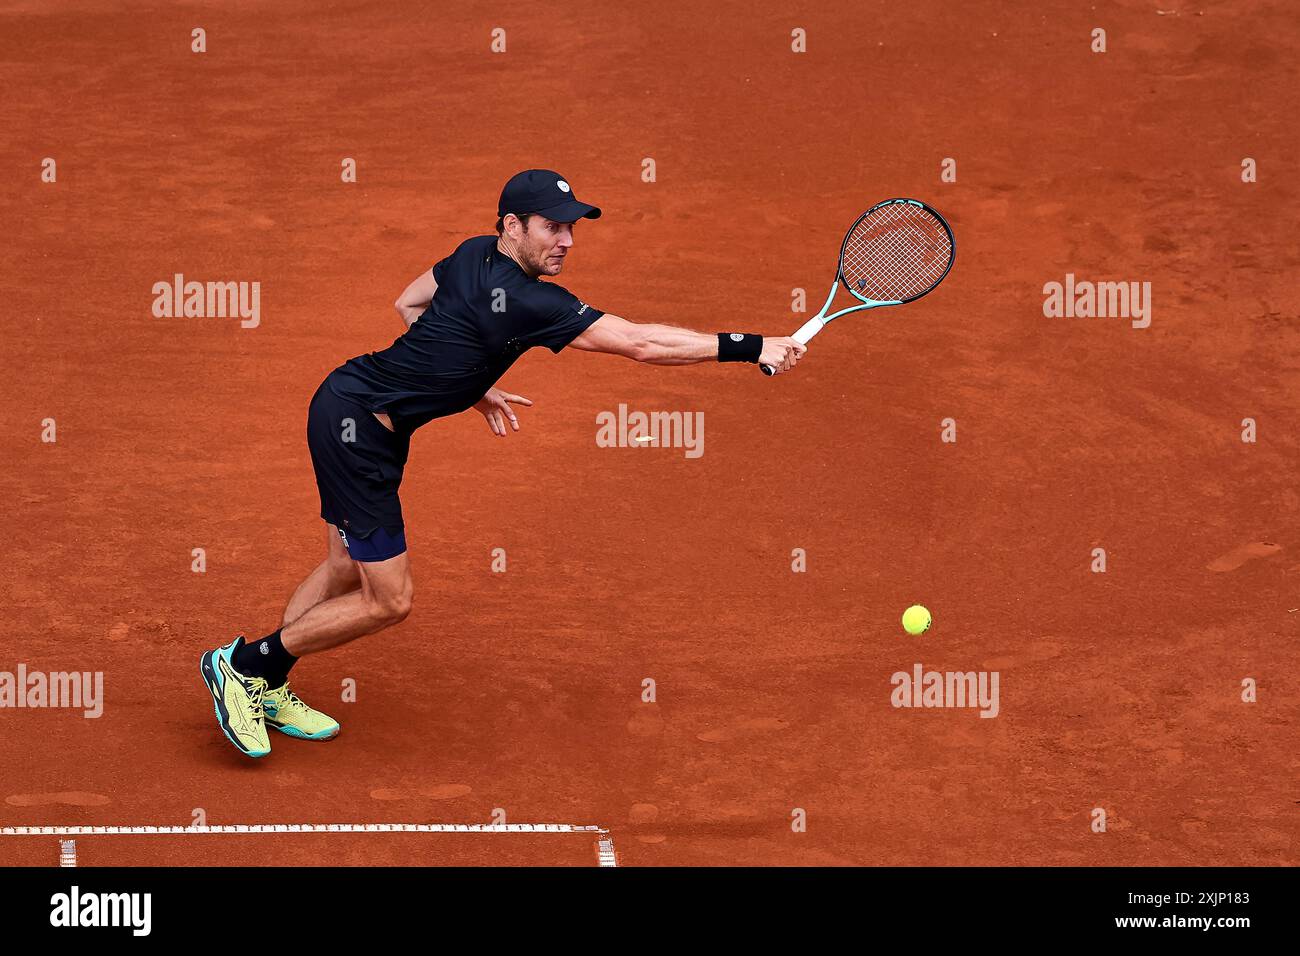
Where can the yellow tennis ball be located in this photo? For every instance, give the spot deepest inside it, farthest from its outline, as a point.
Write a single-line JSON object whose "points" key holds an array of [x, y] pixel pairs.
{"points": [[916, 619]]}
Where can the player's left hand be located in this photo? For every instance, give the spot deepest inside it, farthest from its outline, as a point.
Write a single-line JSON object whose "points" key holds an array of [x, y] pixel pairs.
{"points": [[495, 407]]}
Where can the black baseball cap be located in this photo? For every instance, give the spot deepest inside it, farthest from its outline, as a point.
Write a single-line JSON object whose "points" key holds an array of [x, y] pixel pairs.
{"points": [[545, 192]]}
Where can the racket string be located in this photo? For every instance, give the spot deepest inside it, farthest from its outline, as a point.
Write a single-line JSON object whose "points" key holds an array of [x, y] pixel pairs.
{"points": [[883, 240], [893, 264], [895, 252]]}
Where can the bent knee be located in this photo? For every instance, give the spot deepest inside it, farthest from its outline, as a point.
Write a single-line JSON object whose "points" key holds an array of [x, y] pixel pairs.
{"points": [[392, 608], [399, 607]]}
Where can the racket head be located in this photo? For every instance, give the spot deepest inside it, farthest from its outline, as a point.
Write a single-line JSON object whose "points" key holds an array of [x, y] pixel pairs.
{"points": [[897, 251]]}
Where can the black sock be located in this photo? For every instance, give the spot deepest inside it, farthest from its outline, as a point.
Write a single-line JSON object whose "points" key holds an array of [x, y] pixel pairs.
{"points": [[265, 658]]}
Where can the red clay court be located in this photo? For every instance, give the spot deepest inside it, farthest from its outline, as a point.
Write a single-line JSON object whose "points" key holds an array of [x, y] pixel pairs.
{"points": [[517, 696]]}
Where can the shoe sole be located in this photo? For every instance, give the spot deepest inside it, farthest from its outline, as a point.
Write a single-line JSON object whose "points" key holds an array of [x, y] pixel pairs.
{"points": [[209, 673], [296, 733]]}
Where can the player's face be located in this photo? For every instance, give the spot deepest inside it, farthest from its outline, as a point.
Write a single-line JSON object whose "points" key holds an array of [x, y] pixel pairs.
{"points": [[546, 244]]}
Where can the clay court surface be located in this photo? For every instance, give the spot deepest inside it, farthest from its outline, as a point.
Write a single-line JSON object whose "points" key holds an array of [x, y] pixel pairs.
{"points": [[522, 691]]}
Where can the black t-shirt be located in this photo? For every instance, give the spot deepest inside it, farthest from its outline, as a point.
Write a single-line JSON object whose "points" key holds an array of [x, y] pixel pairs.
{"points": [[485, 314]]}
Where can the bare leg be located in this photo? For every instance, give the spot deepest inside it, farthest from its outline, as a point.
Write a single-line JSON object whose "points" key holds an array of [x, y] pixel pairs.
{"points": [[333, 577], [383, 600]]}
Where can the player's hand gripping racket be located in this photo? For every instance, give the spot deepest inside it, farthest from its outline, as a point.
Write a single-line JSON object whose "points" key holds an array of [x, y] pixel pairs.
{"points": [[896, 252]]}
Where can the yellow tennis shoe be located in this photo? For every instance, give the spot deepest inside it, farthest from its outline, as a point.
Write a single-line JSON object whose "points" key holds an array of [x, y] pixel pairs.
{"points": [[286, 712], [237, 700]]}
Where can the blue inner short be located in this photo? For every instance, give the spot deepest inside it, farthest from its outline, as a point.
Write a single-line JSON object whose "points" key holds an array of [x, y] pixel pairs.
{"points": [[378, 545]]}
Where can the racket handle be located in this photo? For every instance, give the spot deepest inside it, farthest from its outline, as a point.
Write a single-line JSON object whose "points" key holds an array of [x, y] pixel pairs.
{"points": [[803, 337]]}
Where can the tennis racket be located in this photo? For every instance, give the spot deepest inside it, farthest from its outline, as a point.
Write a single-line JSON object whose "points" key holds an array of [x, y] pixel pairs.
{"points": [[896, 252]]}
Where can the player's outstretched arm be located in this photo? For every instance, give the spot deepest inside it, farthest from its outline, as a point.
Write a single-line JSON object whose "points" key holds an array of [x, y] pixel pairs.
{"points": [[669, 345]]}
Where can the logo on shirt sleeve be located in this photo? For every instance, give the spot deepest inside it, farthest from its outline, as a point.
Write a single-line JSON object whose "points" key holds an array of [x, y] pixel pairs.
{"points": [[582, 307]]}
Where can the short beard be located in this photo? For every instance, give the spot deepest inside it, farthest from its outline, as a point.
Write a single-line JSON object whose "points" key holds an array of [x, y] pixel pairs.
{"points": [[537, 263]]}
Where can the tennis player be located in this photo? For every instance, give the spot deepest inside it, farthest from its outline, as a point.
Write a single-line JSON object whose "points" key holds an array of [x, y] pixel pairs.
{"points": [[468, 319]]}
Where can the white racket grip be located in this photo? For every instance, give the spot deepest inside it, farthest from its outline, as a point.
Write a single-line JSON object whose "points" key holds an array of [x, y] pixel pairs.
{"points": [[803, 337]]}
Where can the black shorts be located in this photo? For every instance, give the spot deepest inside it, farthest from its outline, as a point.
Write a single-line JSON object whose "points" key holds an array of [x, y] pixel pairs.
{"points": [[358, 463]]}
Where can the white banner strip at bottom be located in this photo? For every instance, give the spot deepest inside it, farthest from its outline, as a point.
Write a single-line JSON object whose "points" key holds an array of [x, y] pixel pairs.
{"points": [[605, 855], [312, 828]]}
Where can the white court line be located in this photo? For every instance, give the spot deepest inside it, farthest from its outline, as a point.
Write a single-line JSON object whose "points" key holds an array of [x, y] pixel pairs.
{"points": [[605, 845], [316, 828], [605, 855]]}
